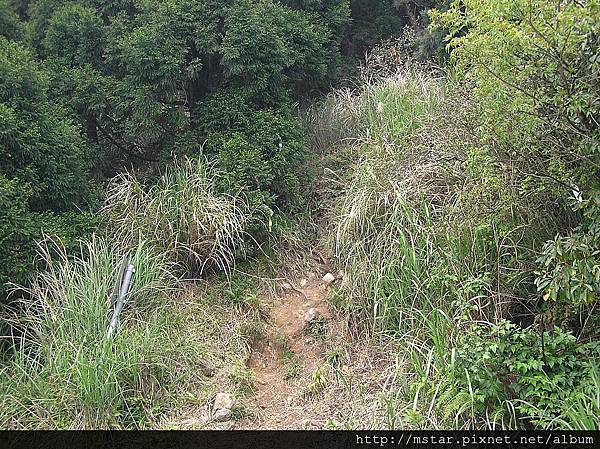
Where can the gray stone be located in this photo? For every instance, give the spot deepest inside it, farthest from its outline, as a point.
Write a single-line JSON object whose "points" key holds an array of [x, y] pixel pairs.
{"points": [[222, 414], [303, 283], [223, 401]]}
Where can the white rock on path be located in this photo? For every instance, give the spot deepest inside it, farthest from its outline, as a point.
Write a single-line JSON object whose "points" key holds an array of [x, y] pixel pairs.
{"points": [[328, 278], [310, 315], [303, 283]]}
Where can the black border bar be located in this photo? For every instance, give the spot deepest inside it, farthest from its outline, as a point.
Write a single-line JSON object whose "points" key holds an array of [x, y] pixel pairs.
{"points": [[296, 439]]}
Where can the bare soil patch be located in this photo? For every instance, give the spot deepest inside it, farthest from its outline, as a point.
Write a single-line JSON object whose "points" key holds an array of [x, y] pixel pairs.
{"points": [[292, 343]]}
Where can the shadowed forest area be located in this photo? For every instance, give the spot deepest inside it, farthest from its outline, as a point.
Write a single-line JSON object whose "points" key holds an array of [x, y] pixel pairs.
{"points": [[336, 214]]}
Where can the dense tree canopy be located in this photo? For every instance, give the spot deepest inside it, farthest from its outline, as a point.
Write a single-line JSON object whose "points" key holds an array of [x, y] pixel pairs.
{"points": [[91, 87], [136, 72]]}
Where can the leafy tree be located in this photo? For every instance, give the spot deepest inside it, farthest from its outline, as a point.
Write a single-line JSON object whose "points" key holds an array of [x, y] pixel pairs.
{"points": [[152, 63], [372, 22], [45, 171], [535, 68], [39, 144], [331, 19], [75, 34], [10, 24]]}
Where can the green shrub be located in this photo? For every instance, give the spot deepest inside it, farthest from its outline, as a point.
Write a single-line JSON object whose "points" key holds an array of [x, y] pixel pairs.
{"points": [[260, 153], [20, 229], [539, 375], [569, 275]]}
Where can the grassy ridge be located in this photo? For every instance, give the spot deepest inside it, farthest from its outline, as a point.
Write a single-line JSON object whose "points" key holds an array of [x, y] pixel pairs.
{"points": [[438, 247]]}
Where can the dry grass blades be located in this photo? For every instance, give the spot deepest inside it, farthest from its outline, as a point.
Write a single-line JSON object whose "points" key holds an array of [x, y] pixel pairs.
{"points": [[182, 214]]}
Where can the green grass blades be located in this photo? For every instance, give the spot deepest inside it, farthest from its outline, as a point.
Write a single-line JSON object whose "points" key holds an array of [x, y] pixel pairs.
{"points": [[181, 214], [65, 373]]}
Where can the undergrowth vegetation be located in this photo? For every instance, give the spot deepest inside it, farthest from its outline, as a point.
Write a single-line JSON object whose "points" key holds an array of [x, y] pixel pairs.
{"points": [[460, 205], [173, 346], [446, 231], [65, 372]]}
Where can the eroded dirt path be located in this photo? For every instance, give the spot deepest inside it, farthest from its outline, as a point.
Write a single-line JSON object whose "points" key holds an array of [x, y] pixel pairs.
{"points": [[285, 361], [311, 368]]}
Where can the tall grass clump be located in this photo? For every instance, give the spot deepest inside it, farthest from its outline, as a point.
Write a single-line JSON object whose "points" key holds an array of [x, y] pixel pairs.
{"points": [[437, 233], [63, 371], [385, 233], [393, 222], [396, 106], [335, 120], [181, 213]]}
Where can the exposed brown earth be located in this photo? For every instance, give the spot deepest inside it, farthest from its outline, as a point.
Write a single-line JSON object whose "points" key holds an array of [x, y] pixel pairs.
{"points": [[279, 403]]}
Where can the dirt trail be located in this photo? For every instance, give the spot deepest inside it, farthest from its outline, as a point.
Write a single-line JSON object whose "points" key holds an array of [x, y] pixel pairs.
{"points": [[283, 362], [305, 376]]}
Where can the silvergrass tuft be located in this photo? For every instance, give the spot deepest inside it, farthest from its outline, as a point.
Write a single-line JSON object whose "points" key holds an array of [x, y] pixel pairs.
{"points": [[182, 214], [64, 372]]}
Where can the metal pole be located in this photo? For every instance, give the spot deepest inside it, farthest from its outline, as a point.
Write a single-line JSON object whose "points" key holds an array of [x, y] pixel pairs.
{"points": [[114, 296], [124, 288]]}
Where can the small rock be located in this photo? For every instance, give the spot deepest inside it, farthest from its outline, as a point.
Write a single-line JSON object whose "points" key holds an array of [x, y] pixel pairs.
{"points": [[311, 314], [223, 414], [303, 283], [223, 401], [286, 286], [306, 424], [328, 278]]}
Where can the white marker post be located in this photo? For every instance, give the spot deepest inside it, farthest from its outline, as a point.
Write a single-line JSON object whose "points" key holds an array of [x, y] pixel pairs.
{"points": [[119, 306]]}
